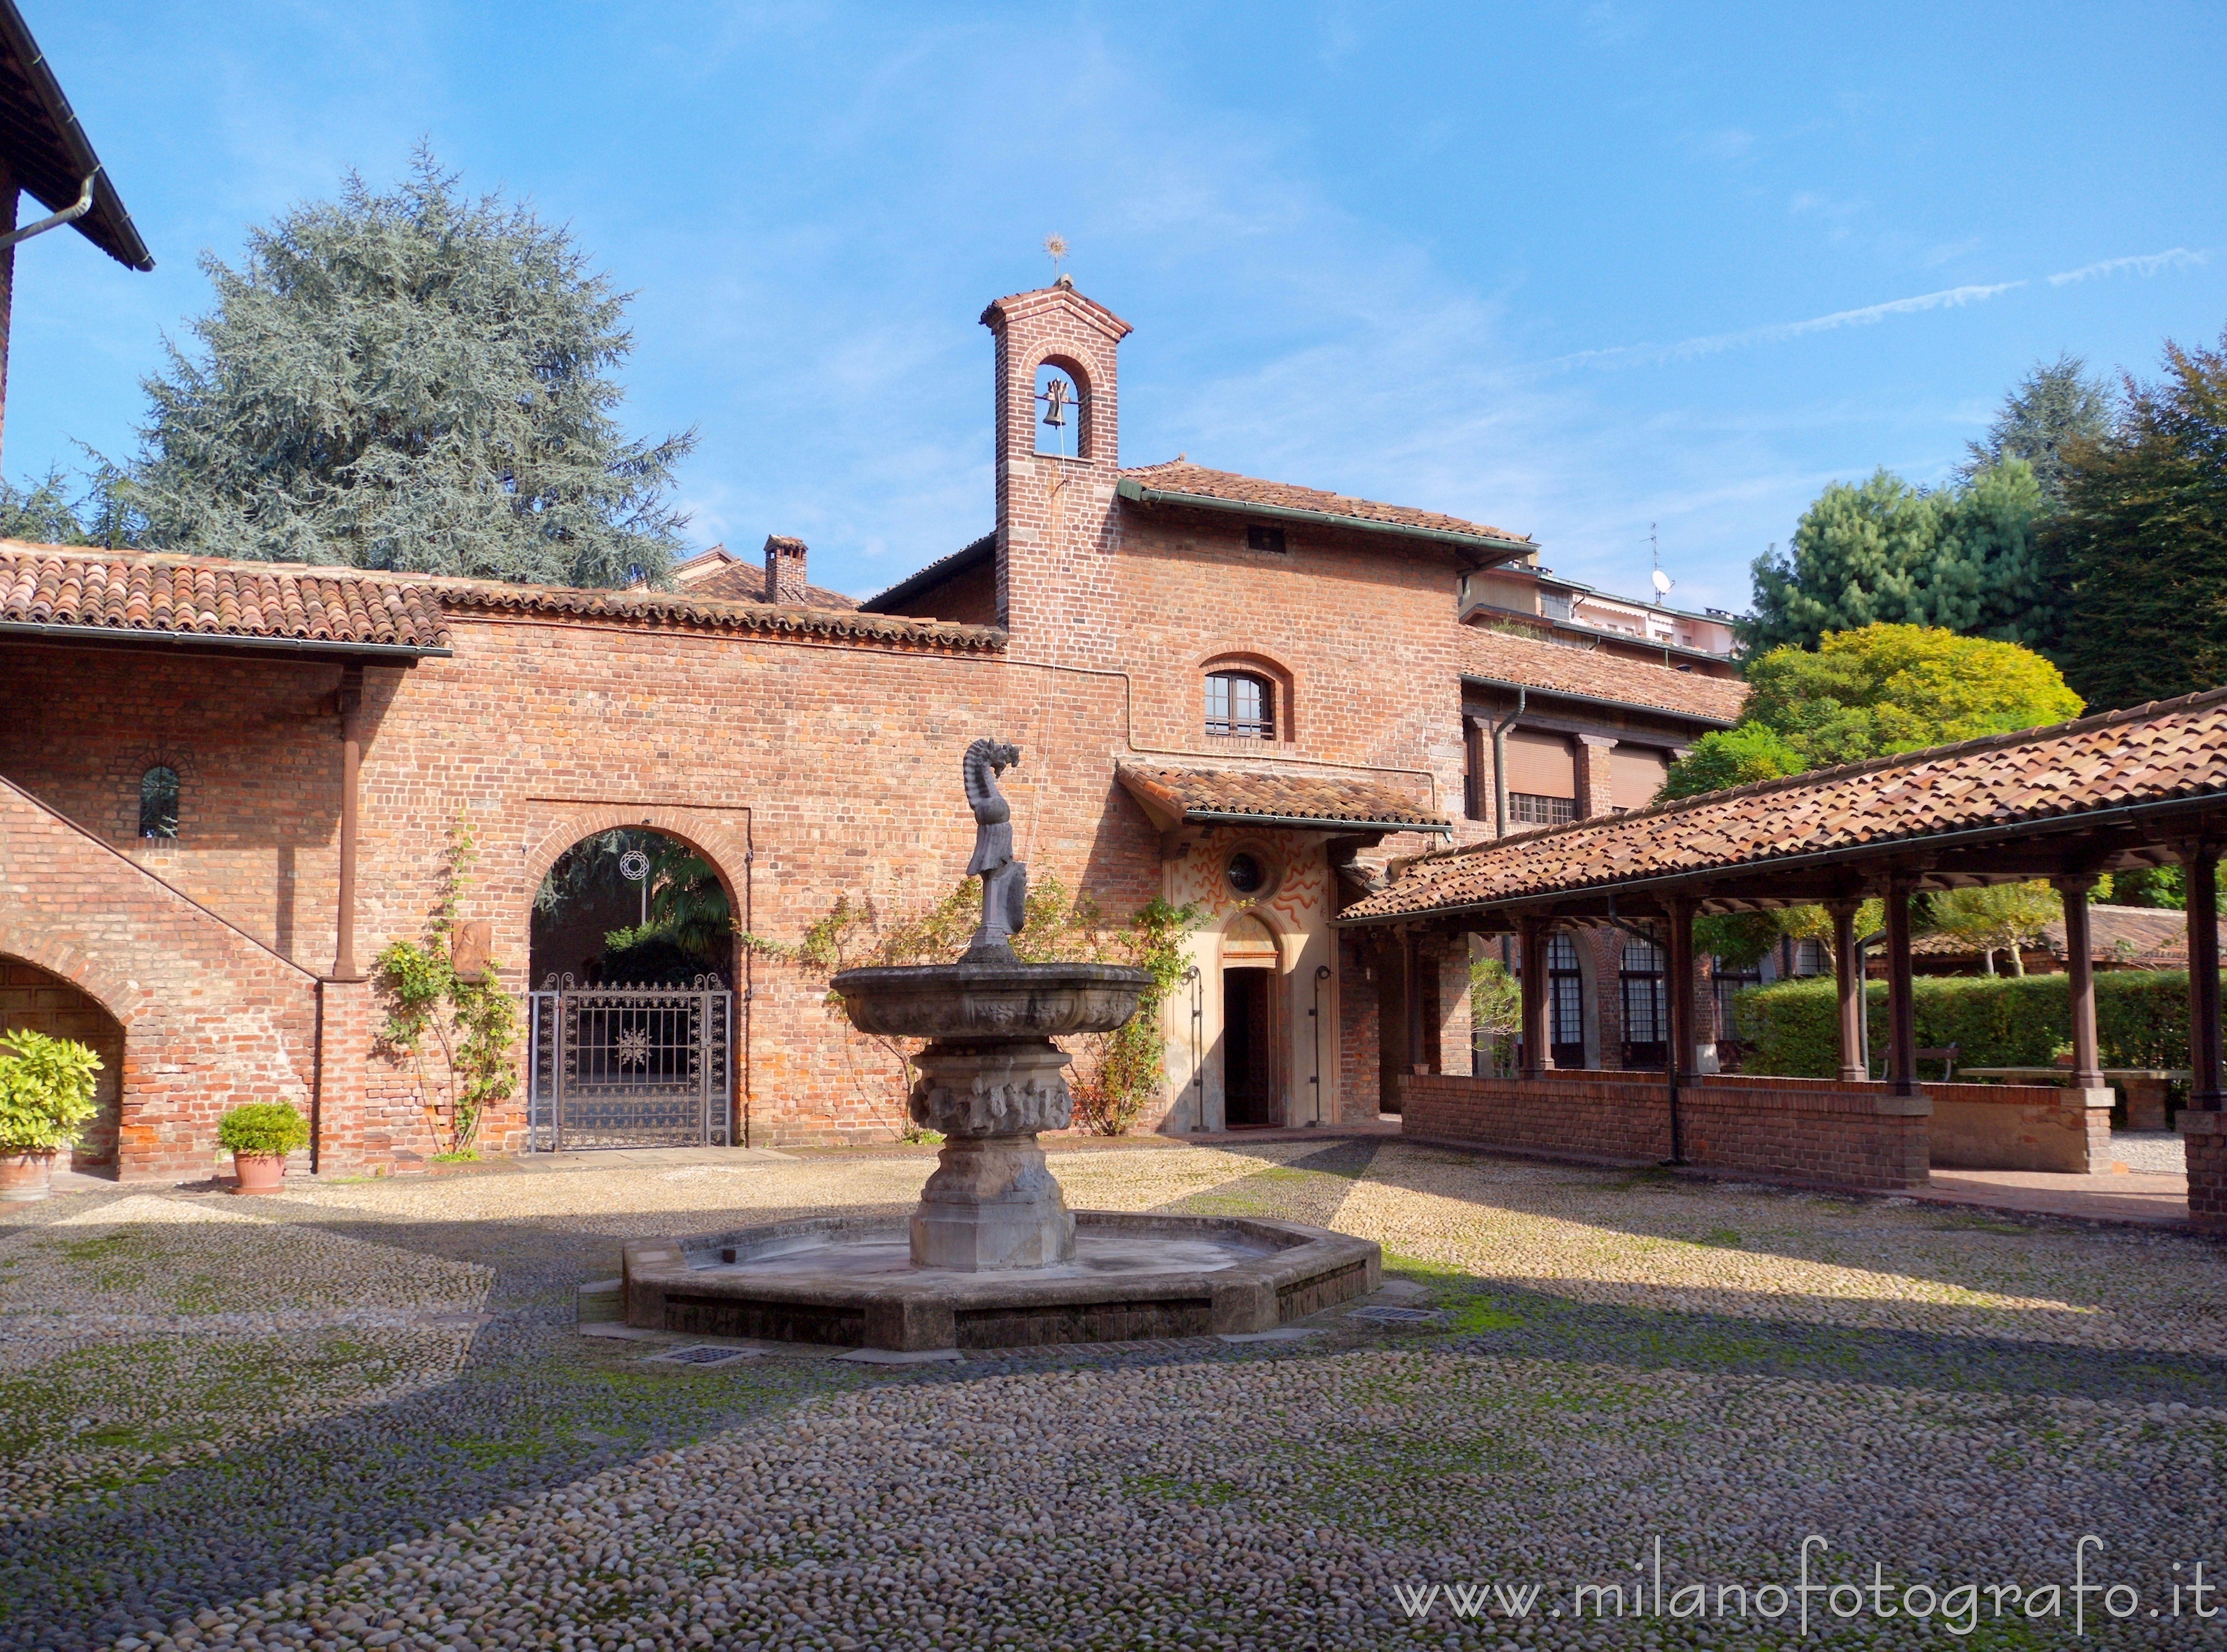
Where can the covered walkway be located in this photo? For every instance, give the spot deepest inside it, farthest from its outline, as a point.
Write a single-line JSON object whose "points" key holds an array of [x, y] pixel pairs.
{"points": [[2142, 787]]}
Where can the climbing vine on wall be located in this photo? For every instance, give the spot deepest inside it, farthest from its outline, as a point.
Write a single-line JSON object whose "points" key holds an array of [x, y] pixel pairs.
{"points": [[458, 1029], [1116, 1076]]}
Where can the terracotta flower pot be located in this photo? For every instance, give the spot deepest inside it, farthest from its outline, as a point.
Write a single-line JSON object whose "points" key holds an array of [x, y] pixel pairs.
{"points": [[259, 1172], [24, 1176]]}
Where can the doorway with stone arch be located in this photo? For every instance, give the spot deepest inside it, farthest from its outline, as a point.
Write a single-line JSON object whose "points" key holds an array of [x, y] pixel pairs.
{"points": [[1252, 1075]]}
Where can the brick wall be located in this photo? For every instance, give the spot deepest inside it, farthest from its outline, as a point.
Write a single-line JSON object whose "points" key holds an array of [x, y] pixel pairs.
{"points": [[2020, 1128], [2204, 1136], [34, 998], [1578, 1115], [1819, 1134], [212, 1018]]}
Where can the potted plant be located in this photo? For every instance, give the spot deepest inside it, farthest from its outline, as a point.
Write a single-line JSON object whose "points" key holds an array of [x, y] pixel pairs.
{"points": [[46, 1096], [259, 1136]]}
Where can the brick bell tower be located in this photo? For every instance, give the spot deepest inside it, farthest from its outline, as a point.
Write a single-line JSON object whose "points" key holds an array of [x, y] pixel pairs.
{"points": [[1058, 459]]}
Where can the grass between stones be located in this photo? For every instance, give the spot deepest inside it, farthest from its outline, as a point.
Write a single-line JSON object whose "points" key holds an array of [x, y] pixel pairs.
{"points": [[218, 1429]]}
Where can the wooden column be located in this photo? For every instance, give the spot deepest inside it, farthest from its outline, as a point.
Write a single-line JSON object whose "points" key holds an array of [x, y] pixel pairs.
{"points": [[1848, 976], [351, 710], [2080, 980], [1531, 935], [2202, 862], [1679, 966], [1411, 967], [1902, 1011]]}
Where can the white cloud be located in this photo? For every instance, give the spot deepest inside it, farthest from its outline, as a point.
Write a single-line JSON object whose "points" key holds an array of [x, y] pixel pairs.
{"points": [[2145, 263], [1710, 344]]}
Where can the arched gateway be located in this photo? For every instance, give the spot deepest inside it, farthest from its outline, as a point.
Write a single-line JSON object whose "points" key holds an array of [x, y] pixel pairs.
{"points": [[631, 1008]]}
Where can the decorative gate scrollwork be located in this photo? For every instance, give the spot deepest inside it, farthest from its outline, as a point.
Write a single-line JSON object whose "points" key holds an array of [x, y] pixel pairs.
{"points": [[630, 1066]]}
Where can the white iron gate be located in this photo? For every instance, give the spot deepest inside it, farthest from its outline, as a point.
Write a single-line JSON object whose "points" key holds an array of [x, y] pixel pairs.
{"points": [[630, 1066]]}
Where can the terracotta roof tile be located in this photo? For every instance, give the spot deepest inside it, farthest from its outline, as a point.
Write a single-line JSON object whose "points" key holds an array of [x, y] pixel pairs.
{"points": [[2140, 937], [113, 592], [1498, 656], [2173, 750], [1218, 794], [1180, 477], [742, 581]]}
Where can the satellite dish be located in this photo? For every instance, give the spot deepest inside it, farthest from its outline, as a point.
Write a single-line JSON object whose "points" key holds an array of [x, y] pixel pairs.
{"points": [[1662, 583]]}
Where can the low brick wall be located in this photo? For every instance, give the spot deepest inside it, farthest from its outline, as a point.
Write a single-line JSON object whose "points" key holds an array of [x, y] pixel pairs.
{"points": [[1815, 1130], [1595, 1116], [1812, 1130], [2020, 1128], [2204, 1136]]}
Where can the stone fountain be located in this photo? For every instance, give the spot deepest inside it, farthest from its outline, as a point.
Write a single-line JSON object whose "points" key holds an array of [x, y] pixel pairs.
{"points": [[992, 1257]]}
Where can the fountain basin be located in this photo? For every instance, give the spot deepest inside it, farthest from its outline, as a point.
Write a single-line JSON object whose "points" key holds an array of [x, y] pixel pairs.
{"points": [[989, 1000], [849, 1281]]}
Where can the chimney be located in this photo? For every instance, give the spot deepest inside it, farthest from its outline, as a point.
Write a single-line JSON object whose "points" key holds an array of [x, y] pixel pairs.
{"points": [[784, 581]]}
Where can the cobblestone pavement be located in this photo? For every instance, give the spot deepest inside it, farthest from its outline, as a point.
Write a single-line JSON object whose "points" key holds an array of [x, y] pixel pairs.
{"points": [[2149, 1150], [360, 1416]]}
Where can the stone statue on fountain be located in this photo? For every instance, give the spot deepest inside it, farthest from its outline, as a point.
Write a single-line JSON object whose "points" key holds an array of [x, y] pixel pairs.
{"points": [[1004, 880]]}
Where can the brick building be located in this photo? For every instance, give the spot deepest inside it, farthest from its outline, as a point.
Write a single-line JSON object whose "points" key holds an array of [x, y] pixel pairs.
{"points": [[225, 785]]}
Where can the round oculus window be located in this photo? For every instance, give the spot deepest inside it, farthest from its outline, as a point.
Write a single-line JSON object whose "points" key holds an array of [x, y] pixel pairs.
{"points": [[1246, 873]]}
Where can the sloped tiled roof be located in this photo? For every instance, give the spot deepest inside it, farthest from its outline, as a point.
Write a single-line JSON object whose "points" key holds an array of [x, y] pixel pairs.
{"points": [[114, 591], [1210, 795], [1592, 674], [2175, 750], [967, 556], [1196, 481], [720, 572], [114, 594], [2143, 937]]}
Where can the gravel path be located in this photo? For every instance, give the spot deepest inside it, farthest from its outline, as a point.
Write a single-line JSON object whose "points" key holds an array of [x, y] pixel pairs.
{"points": [[2150, 1150], [359, 1416]]}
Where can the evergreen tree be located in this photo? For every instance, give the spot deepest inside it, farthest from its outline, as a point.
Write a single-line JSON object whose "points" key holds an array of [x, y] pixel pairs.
{"points": [[2142, 540], [1960, 559], [2055, 406], [415, 381], [42, 513]]}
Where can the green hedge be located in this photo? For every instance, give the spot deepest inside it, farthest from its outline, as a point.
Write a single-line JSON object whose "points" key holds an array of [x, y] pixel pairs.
{"points": [[2141, 1020]]}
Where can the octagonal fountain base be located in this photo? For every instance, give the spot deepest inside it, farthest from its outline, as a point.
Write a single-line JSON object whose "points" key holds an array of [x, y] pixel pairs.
{"points": [[850, 1282]]}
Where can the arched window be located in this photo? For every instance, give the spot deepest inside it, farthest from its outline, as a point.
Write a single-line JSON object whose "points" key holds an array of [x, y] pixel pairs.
{"points": [[159, 802], [1059, 411], [1646, 1005], [1241, 705]]}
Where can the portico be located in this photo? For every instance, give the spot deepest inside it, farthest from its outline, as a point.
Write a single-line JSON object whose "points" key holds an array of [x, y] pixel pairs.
{"points": [[2140, 788]]}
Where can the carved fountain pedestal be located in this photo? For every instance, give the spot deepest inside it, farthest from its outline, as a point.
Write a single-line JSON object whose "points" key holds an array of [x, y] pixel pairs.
{"points": [[991, 1079]]}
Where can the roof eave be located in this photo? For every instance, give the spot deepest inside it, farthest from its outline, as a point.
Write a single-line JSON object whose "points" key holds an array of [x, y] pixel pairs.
{"points": [[108, 209], [1312, 822], [1489, 550], [1613, 705], [323, 647]]}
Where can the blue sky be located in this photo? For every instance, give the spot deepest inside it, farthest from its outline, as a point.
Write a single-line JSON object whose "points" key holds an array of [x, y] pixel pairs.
{"points": [[1568, 269]]}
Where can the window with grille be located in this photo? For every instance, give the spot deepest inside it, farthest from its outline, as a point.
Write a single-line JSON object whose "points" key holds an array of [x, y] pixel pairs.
{"points": [[1810, 959], [1646, 1006], [1241, 705], [1527, 808], [1565, 998], [158, 803]]}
